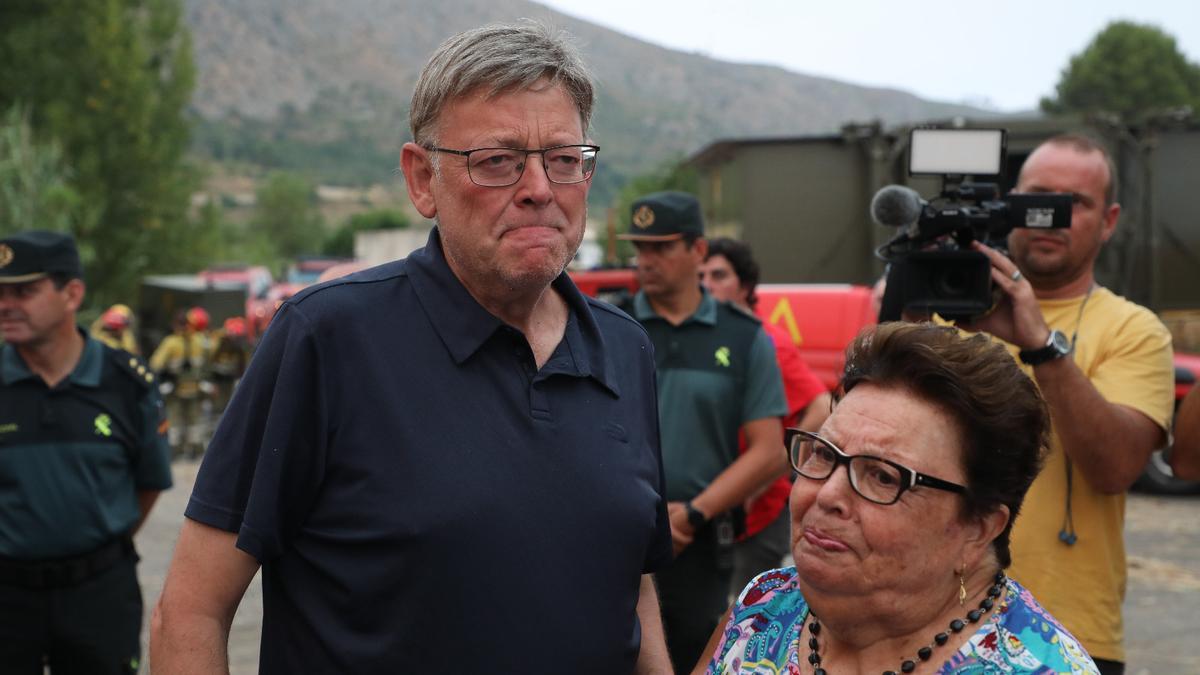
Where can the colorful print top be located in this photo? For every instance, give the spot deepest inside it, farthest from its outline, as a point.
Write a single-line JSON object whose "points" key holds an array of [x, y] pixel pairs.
{"points": [[1019, 636]]}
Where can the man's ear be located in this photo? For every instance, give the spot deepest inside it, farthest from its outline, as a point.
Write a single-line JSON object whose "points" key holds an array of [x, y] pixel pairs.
{"points": [[417, 165], [1111, 213], [75, 291]]}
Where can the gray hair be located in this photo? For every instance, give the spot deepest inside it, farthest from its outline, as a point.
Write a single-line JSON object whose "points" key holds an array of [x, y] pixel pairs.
{"points": [[499, 57]]}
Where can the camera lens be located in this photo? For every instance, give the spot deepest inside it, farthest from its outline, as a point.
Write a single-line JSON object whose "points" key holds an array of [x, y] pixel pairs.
{"points": [[952, 282]]}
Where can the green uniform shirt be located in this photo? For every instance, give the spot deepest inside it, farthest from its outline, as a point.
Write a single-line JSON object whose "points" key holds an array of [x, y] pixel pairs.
{"points": [[73, 458], [716, 372]]}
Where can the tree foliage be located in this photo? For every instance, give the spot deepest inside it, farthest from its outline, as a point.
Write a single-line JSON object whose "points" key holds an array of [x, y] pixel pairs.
{"points": [[286, 214], [1129, 69], [33, 180], [341, 242], [107, 81]]}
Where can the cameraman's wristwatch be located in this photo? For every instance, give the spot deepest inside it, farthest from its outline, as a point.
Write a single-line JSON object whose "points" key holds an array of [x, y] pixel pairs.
{"points": [[1057, 346], [695, 516]]}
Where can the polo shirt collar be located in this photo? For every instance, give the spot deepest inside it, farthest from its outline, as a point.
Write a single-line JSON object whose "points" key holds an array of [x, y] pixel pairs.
{"points": [[86, 372], [461, 322], [12, 368], [464, 325], [706, 312], [91, 362], [583, 337]]}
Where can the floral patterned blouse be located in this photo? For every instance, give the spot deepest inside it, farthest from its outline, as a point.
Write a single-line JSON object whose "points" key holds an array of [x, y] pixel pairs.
{"points": [[761, 636]]}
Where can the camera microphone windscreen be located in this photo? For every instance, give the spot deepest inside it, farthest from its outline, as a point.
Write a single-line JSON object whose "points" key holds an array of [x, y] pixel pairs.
{"points": [[896, 206]]}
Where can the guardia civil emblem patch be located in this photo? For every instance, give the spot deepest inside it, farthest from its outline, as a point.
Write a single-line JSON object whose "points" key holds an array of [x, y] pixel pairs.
{"points": [[643, 217], [103, 424], [722, 356]]}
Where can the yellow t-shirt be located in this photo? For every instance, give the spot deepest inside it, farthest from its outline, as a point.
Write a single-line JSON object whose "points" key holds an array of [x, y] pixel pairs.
{"points": [[1125, 351]]}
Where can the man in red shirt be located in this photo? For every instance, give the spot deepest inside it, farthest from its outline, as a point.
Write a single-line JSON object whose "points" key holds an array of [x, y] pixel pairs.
{"points": [[731, 274]]}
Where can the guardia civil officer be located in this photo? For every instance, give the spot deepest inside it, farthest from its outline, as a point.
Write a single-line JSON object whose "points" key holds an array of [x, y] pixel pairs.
{"points": [[717, 379], [82, 459]]}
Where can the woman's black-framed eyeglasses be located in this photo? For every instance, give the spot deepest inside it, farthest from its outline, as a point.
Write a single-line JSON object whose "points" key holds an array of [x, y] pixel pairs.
{"points": [[501, 167], [875, 479]]}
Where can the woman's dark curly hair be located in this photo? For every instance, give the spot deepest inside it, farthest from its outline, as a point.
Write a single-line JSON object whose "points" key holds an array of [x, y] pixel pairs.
{"points": [[999, 410]]}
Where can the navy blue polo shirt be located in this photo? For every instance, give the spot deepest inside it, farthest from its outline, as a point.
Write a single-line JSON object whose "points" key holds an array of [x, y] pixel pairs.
{"points": [[423, 499]]}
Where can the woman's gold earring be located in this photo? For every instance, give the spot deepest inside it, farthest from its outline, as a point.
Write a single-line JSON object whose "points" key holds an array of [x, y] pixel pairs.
{"points": [[962, 590]]}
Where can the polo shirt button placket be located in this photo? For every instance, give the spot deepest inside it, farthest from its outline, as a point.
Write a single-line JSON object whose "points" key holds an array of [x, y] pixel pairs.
{"points": [[48, 419], [539, 403], [674, 354]]}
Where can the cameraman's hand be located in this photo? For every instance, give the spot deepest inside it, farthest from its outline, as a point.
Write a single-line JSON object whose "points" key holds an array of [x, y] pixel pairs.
{"points": [[1017, 319]]}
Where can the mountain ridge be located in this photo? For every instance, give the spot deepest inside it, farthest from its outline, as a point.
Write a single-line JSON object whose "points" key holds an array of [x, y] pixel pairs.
{"points": [[323, 87]]}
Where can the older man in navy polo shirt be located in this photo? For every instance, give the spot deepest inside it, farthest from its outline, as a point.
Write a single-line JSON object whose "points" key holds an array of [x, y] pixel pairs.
{"points": [[449, 463]]}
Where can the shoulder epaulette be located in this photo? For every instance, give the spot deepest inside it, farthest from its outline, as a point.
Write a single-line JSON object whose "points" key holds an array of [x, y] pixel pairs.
{"points": [[133, 366]]}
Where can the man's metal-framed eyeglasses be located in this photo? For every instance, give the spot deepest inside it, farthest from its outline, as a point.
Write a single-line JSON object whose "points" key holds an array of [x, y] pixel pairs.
{"points": [[875, 479], [501, 167]]}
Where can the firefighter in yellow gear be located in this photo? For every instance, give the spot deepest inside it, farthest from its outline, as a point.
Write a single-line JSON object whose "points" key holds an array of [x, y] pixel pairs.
{"points": [[182, 362], [230, 356], [115, 328]]}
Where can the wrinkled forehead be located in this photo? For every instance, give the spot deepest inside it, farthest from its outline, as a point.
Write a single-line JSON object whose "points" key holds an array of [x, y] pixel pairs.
{"points": [[490, 96], [892, 422], [857, 425]]}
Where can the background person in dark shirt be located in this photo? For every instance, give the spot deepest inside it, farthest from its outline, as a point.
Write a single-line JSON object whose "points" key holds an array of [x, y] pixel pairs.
{"points": [[449, 463]]}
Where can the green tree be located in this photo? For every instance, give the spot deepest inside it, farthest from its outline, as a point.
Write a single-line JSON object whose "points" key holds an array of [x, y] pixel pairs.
{"points": [[286, 214], [341, 242], [671, 175], [1129, 69], [34, 191], [108, 81]]}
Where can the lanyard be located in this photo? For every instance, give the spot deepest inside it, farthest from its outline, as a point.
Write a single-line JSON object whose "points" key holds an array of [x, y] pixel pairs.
{"points": [[1067, 534]]}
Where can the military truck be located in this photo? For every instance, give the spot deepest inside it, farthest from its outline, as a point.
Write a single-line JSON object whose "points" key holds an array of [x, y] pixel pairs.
{"points": [[802, 203]]}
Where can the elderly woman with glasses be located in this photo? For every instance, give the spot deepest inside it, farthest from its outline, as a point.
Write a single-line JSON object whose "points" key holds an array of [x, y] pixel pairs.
{"points": [[901, 513]]}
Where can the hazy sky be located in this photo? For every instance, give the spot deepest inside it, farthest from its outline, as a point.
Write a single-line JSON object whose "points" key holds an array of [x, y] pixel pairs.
{"points": [[1003, 55]]}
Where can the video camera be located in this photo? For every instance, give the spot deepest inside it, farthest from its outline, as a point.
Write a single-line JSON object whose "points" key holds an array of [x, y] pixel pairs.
{"points": [[931, 266]]}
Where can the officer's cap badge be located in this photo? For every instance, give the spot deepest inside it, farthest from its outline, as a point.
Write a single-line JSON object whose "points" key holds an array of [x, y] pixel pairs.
{"points": [[643, 217]]}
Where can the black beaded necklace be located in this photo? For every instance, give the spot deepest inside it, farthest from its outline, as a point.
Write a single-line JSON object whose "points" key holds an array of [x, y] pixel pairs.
{"points": [[924, 653]]}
